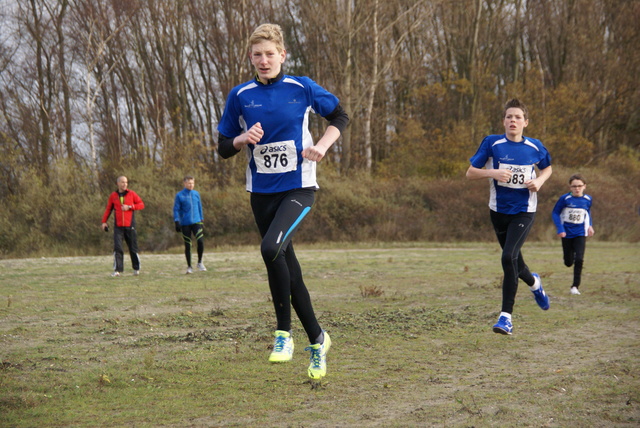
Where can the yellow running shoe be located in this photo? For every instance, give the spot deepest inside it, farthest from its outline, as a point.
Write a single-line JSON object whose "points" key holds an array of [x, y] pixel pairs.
{"points": [[282, 347], [318, 365]]}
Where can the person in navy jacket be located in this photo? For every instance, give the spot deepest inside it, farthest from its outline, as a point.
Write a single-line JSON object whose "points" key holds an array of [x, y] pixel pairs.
{"points": [[189, 220], [572, 217]]}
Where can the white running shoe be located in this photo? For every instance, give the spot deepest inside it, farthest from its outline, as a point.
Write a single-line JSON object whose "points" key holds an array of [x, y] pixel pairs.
{"points": [[136, 272], [201, 267], [189, 270], [574, 291], [115, 273]]}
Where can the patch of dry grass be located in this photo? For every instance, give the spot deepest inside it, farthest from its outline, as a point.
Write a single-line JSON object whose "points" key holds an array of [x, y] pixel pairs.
{"points": [[411, 330]]}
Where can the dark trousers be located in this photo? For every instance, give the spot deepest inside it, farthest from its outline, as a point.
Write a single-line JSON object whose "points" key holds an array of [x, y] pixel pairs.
{"points": [[278, 217], [197, 230], [573, 249], [512, 231], [131, 238]]}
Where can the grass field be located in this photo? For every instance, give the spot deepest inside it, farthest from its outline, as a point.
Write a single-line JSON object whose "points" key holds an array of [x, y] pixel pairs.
{"points": [[411, 330]]}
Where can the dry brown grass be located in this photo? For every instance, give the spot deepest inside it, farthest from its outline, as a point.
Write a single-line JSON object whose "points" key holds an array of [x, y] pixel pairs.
{"points": [[165, 349]]}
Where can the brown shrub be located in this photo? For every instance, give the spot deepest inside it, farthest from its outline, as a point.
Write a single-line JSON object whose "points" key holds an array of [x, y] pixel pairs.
{"points": [[64, 219]]}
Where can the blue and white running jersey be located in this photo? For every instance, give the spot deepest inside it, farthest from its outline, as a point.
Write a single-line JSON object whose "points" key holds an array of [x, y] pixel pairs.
{"points": [[497, 152], [282, 108], [572, 215]]}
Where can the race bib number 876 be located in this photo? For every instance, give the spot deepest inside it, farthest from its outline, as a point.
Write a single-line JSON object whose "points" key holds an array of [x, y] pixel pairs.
{"points": [[521, 174], [276, 158]]}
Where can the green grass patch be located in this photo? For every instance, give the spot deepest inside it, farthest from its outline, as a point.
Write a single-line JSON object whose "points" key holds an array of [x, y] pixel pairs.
{"points": [[411, 331]]}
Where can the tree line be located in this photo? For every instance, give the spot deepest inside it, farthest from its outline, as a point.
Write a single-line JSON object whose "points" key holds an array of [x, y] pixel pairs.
{"points": [[102, 87]]}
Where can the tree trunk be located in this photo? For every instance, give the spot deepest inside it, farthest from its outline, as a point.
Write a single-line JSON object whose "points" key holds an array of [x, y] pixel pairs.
{"points": [[371, 93], [346, 136]]}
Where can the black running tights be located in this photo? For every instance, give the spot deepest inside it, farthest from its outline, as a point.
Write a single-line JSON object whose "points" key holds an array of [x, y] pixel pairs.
{"points": [[511, 231], [278, 217], [573, 249]]}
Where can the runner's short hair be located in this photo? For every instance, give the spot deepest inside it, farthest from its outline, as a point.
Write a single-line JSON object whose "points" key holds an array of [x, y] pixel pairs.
{"points": [[577, 177], [516, 103], [268, 32]]}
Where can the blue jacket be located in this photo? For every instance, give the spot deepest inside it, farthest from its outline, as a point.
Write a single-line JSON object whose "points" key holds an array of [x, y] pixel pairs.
{"points": [[187, 207]]}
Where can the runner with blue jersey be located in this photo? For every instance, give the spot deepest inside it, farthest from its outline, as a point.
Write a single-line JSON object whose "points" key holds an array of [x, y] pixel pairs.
{"points": [[268, 117], [572, 217], [509, 161], [282, 109]]}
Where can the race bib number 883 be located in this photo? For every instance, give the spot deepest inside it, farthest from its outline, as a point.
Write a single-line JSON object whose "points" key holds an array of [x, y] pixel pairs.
{"points": [[276, 158], [521, 174]]}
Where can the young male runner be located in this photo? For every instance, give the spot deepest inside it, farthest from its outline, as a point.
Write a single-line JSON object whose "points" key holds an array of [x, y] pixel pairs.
{"points": [[509, 161], [268, 117], [572, 217]]}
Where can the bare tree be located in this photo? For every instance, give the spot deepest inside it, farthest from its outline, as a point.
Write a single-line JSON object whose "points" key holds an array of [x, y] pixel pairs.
{"points": [[96, 37], [146, 81]]}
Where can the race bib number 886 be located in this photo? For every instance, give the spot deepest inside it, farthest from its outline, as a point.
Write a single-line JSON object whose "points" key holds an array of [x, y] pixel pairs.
{"points": [[276, 158], [521, 174]]}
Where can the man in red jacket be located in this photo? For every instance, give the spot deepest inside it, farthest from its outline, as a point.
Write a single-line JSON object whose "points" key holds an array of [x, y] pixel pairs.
{"points": [[124, 202]]}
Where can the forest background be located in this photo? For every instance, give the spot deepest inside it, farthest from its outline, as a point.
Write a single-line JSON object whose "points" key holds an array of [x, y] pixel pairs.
{"points": [[94, 89]]}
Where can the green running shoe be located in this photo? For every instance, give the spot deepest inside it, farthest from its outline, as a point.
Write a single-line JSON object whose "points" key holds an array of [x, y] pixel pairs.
{"points": [[318, 361], [282, 347]]}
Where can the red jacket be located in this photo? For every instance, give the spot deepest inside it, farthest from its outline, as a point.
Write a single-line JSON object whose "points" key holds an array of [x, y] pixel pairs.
{"points": [[123, 218]]}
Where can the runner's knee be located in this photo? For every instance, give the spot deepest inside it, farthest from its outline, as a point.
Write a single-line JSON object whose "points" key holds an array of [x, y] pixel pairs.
{"points": [[270, 251]]}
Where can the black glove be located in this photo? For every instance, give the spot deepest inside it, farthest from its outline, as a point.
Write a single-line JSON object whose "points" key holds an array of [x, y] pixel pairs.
{"points": [[178, 228]]}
